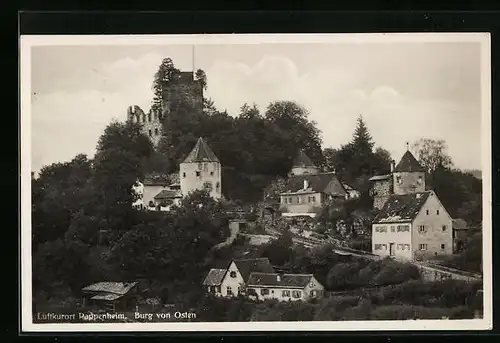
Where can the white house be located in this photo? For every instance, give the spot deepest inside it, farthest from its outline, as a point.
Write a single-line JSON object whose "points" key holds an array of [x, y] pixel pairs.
{"points": [[256, 279], [412, 223], [412, 226]]}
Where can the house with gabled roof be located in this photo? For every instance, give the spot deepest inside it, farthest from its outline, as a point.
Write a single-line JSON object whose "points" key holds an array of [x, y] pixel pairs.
{"points": [[257, 279], [231, 281], [284, 287], [411, 223], [112, 295], [307, 189], [200, 170]]}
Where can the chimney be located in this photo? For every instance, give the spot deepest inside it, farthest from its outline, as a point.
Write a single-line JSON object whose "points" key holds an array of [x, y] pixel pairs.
{"points": [[306, 184], [393, 165]]}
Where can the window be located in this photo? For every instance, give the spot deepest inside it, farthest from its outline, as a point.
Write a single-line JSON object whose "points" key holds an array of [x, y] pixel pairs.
{"points": [[443, 228], [197, 173], [437, 212], [285, 293], [421, 229], [232, 274], [422, 246], [296, 294], [393, 228], [403, 228], [211, 173], [398, 179], [264, 291], [420, 180], [156, 132], [289, 200], [217, 185], [150, 133], [299, 200], [407, 246], [313, 294], [427, 212], [183, 174], [312, 199], [217, 289], [229, 290], [442, 246], [208, 186]]}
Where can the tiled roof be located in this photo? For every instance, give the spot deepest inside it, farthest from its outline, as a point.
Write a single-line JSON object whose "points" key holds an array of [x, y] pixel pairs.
{"points": [[156, 179], [110, 287], [201, 153], [279, 280], [380, 177], [167, 194], [214, 277], [402, 208], [348, 187], [320, 183], [302, 160], [248, 266], [409, 163], [459, 224]]}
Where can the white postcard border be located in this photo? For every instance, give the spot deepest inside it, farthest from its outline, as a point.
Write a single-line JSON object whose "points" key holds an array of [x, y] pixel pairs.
{"points": [[26, 42]]}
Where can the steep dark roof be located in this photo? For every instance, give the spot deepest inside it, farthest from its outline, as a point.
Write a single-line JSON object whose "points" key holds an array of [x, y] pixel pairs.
{"points": [[214, 277], [320, 183], [201, 153], [459, 224], [302, 160], [254, 265], [409, 163], [380, 177], [156, 179], [401, 208], [167, 194], [285, 280]]}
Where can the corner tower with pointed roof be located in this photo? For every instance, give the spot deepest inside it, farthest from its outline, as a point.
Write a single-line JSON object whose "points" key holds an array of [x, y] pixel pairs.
{"points": [[201, 170], [408, 176], [302, 165]]}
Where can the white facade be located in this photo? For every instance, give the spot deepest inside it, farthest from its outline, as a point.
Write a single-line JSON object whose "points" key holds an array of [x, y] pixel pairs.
{"points": [[260, 292], [392, 239], [201, 175], [428, 234]]}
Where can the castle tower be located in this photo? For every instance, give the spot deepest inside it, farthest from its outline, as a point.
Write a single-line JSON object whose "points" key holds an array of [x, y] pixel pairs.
{"points": [[302, 165], [151, 123], [201, 170], [409, 175]]}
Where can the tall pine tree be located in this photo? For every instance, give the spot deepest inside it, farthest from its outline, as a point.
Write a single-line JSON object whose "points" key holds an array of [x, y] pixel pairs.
{"points": [[362, 141]]}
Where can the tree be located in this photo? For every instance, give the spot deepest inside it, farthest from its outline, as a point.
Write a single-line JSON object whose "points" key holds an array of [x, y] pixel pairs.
{"points": [[432, 154], [292, 118], [174, 247], [60, 191], [201, 76], [121, 151], [362, 141]]}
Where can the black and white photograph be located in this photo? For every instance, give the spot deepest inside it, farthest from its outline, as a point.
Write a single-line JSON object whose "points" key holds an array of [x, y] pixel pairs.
{"points": [[256, 182]]}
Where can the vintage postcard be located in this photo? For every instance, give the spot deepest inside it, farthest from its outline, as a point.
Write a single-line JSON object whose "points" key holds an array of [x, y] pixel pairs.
{"points": [[256, 182]]}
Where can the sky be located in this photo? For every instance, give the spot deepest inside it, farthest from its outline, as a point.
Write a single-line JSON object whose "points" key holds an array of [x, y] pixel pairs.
{"points": [[404, 91]]}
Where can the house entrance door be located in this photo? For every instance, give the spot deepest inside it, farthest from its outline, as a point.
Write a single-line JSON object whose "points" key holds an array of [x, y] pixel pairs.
{"points": [[391, 249]]}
